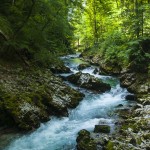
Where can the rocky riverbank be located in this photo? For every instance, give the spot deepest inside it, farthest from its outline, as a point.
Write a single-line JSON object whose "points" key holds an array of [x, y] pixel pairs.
{"points": [[31, 96], [133, 124]]}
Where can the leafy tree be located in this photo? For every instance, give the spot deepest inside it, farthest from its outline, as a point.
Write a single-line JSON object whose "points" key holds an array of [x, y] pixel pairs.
{"points": [[117, 30], [36, 26]]}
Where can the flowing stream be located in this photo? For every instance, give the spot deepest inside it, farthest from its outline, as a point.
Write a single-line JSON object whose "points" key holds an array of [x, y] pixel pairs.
{"points": [[61, 133]]}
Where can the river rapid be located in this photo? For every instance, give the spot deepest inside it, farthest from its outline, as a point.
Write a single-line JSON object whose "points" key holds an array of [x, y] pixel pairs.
{"points": [[61, 133]]}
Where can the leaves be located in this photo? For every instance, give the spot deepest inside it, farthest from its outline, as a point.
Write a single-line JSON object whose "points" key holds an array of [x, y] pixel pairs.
{"points": [[37, 26]]}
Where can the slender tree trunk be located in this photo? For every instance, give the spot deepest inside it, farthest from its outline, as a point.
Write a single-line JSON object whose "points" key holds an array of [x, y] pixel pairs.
{"points": [[142, 19], [95, 22], [78, 43], [137, 30]]}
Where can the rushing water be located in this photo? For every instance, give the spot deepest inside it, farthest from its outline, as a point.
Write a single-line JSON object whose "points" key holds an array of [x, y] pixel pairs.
{"points": [[61, 133]]}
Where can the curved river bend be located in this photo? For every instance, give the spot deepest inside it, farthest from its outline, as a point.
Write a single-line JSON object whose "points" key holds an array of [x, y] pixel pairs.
{"points": [[61, 133]]}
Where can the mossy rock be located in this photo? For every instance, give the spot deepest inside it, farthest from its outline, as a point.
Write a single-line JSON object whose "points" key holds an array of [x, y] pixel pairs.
{"points": [[82, 133], [83, 66], [110, 146], [29, 97], [102, 129], [84, 141]]}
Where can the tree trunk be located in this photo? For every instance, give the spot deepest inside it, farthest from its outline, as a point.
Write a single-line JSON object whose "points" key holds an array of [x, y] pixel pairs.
{"points": [[95, 22], [137, 30]]}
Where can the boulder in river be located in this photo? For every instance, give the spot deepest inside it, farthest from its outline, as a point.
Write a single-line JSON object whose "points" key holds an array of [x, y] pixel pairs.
{"points": [[131, 97], [83, 66], [102, 129], [84, 141], [88, 81], [96, 70]]}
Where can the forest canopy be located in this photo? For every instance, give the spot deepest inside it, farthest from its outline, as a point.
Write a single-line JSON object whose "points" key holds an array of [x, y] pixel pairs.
{"points": [[117, 30], [38, 29], [41, 30]]}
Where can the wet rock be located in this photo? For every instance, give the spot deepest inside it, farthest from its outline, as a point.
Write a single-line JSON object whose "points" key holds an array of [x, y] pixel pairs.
{"points": [[83, 66], [123, 113], [139, 88], [131, 97], [30, 97], [120, 105], [96, 70], [88, 81], [138, 106], [135, 83], [146, 102], [60, 69], [133, 141], [127, 79], [84, 141], [82, 133], [144, 98], [102, 129]]}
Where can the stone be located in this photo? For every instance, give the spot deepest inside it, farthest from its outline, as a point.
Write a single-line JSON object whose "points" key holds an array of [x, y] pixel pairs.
{"points": [[127, 79], [83, 66], [60, 69], [138, 106], [131, 97], [102, 129], [82, 133], [30, 97], [123, 113], [120, 105], [88, 81], [84, 141], [133, 141], [96, 70]]}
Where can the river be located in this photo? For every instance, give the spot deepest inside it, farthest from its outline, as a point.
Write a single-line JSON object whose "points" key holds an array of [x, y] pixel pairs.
{"points": [[61, 133]]}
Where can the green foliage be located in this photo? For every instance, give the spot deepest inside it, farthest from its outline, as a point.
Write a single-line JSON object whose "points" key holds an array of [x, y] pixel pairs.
{"points": [[117, 31], [45, 58], [38, 27]]}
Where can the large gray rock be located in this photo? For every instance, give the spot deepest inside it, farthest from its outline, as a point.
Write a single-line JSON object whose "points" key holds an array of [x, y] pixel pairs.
{"points": [[88, 81], [127, 79], [28, 98], [135, 82]]}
